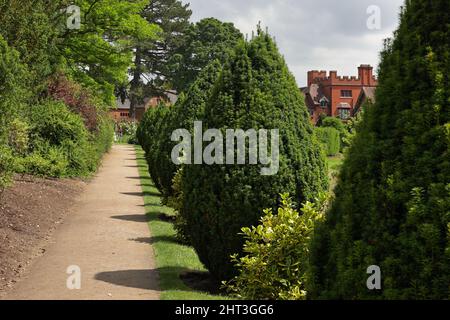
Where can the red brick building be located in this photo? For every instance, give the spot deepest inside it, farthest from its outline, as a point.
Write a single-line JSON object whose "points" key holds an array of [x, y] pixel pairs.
{"points": [[338, 96], [122, 111]]}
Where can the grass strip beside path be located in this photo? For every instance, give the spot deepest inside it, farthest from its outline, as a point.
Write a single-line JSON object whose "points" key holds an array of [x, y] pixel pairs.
{"points": [[172, 258]]}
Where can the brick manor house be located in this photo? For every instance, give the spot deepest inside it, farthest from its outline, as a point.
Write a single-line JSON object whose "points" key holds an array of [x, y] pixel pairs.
{"points": [[339, 96]]}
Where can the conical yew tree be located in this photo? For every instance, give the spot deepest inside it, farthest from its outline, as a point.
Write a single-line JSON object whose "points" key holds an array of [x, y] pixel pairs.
{"points": [[255, 91], [182, 115], [392, 207]]}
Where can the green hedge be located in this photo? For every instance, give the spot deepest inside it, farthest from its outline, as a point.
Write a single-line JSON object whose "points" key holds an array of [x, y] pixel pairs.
{"points": [[330, 139]]}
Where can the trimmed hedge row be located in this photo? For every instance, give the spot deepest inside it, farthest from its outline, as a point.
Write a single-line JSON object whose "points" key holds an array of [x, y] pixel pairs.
{"points": [[254, 90]]}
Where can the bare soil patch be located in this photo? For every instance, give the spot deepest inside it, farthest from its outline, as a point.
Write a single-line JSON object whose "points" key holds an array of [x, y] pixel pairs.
{"points": [[29, 212]]}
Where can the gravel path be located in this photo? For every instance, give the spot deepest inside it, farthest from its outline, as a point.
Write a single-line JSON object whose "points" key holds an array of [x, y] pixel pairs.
{"points": [[106, 236]]}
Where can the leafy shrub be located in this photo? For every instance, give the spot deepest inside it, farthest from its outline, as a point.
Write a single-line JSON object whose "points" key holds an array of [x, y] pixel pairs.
{"points": [[189, 108], [330, 139], [103, 138], [148, 134], [176, 202], [78, 99], [392, 201], [18, 138], [13, 92], [54, 125], [276, 261], [52, 164], [6, 167], [254, 91]]}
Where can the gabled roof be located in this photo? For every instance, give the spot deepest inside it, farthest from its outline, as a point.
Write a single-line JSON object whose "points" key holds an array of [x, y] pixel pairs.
{"points": [[369, 93]]}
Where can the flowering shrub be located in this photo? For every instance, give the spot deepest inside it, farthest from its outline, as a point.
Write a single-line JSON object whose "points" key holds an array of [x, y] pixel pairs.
{"points": [[276, 263], [76, 97]]}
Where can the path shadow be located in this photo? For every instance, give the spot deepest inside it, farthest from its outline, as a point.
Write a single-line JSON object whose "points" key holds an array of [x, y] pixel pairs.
{"points": [[141, 194], [133, 166], [149, 279], [152, 240], [133, 217], [140, 279], [139, 178]]}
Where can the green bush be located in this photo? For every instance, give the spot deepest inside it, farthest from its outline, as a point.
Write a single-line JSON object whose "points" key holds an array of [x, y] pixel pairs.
{"points": [[392, 206], [104, 136], [6, 167], [330, 139], [18, 138], [276, 261], [254, 91], [52, 164], [54, 126], [176, 202], [13, 92], [189, 108]]}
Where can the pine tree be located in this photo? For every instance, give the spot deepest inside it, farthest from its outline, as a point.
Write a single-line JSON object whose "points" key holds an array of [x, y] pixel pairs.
{"points": [[392, 206], [152, 70], [255, 91]]}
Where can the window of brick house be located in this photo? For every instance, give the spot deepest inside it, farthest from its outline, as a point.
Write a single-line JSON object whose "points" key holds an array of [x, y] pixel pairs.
{"points": [[344, 114], [346, 93]]}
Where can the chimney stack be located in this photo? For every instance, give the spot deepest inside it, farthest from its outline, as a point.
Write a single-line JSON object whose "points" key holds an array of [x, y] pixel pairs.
{"points": [[365, 72]]}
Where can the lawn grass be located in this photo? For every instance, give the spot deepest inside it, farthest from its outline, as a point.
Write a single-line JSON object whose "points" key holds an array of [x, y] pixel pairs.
{"points": [[172, 259], [334, 166], [123, 139], [335, 163]]}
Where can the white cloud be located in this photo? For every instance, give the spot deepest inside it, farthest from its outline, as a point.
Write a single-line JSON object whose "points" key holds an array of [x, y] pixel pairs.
{"points": [[311, 34]]}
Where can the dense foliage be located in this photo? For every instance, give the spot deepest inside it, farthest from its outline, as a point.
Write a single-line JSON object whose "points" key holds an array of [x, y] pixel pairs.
{"points": [[330, 139], [153, 70], [57, 82], [393, 198], [276, 261], [255, 90], [189, 108], [205, 41]]}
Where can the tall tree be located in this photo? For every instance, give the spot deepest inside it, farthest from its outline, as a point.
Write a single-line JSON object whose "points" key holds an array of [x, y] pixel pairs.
{"points": [[392, 206], [206, 40], [151, 73]]}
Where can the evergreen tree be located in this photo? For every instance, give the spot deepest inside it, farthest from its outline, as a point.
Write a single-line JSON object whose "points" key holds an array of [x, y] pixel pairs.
{"points": [[152, 72], [392, 206], [255, 91], [205, 41], [182, 115]]}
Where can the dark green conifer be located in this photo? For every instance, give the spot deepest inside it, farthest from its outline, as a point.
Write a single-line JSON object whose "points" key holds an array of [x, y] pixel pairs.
{"points": [[392, 206], [255, 91]]}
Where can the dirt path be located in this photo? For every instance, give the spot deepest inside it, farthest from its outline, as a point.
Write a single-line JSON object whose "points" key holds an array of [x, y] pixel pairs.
{"points": [[105, 235]]}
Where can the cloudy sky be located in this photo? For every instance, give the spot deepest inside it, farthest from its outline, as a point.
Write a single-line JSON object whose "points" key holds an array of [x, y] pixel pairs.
{"points": [[311, 34]]}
